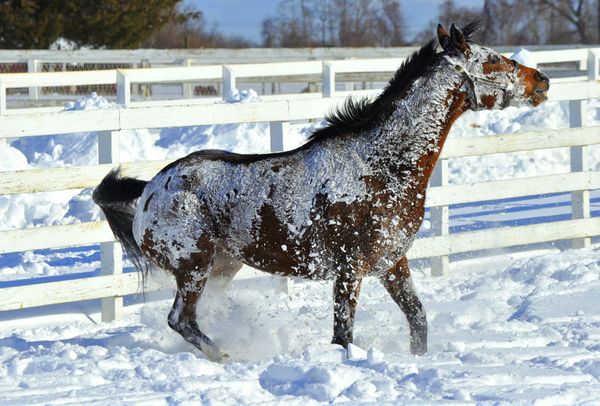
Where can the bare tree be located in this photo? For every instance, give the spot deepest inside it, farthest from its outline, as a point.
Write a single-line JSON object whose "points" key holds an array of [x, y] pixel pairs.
{"points": [[335, 23], [512, 22], [516, 22], [381, 23], [193, 34], [576, 12], [487, 18], [393, 23], [449, 12]]}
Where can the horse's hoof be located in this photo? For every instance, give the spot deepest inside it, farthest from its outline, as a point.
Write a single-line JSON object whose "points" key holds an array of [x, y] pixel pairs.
{"points": [[418, 350], [214, 354], [218, 356]]}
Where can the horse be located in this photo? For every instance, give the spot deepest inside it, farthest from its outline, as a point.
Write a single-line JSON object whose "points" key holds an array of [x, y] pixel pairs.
{"points": [[346, 204]]}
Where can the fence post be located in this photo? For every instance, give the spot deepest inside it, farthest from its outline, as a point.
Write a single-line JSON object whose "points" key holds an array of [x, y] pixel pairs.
{"points": [[580, 200], [440, 218], [33, 66], [111, 254], [187, 88], [278, 131], [592, 65], [2, 97], [229, 80], [328, 79], [579, 156], [144, 90], [123, 90]]}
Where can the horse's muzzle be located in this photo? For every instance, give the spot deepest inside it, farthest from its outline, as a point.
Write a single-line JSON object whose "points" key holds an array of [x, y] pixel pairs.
{"points": [[541, 88]]}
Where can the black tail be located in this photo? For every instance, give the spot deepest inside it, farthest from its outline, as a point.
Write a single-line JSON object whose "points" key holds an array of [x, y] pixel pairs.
{"points": [[116, 197]]}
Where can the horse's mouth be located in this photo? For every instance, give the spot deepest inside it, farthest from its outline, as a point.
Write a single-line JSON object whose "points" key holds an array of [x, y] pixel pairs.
{"points": [[539, 96], [542, 94]]}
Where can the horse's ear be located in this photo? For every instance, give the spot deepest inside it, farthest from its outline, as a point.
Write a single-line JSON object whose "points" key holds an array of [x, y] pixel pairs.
{"points": [[444, 38], [458, 40]]}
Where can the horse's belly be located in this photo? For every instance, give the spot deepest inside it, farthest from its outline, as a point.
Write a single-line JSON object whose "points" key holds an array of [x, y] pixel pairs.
{"points": [[290, 266], [277, 252], [322, 264], [314, 256]]}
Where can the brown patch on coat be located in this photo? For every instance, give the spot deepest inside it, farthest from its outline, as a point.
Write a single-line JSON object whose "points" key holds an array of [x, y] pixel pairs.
{"points": [[266, 252], [148, 247], [199, 262], [533, 81], [426, 162], [488, 101], [502, 64]]}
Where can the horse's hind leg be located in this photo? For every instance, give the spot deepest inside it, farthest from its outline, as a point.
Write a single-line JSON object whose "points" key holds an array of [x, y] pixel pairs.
{"points": [[182, 318], [346, 289], [398, 283]]}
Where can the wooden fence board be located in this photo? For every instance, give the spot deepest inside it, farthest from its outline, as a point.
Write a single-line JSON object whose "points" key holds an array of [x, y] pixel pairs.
{"points": [[72, 290], [55, 236], [504, 237]]}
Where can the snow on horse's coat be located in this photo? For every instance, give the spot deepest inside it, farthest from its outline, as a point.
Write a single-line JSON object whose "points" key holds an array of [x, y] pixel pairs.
{"points": [[345, 205]]}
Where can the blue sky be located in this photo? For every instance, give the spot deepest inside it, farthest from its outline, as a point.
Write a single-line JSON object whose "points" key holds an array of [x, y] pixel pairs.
{"points": [[244, 17]]}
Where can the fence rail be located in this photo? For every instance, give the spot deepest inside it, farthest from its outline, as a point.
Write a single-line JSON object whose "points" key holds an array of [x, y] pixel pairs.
{"points": [[304, 66], [279, 111], [544, 54]]}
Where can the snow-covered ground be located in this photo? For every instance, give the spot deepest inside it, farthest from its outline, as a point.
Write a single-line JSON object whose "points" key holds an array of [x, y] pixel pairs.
{"points": [[515, 329], [518, 327]]}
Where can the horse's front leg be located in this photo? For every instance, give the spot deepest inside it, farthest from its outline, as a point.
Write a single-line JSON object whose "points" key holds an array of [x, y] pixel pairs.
{"points": [[398, 283], [346, 289]]}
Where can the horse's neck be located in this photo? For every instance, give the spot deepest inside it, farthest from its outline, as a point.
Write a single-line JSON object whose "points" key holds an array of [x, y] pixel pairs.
{"points": [[410, 140]]}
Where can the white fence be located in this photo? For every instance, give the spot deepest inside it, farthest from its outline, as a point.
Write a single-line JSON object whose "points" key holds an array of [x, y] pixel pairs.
{"points": [[38, 61], [33, 59], [279, 111]]}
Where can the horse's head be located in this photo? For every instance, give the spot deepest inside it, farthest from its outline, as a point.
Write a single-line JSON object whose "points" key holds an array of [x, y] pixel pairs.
{"points": [[491, 80]]}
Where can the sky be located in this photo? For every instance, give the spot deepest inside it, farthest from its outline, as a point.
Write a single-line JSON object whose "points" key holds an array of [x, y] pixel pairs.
{"points": [[244, 17]]}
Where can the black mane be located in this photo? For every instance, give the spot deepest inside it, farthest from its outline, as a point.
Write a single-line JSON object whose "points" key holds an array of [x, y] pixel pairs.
{"points": [[359, 114]]}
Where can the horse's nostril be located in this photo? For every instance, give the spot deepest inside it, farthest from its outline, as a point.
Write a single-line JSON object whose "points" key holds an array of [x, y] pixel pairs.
{"points": [[540, 77]]}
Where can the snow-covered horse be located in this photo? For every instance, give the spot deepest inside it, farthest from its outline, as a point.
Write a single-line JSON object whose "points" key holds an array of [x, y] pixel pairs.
{"points": [[345, 205]]}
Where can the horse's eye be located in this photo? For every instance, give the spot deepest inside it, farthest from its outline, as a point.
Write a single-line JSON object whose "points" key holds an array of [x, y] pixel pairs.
{"points": [[458, 68], [494, 59]]}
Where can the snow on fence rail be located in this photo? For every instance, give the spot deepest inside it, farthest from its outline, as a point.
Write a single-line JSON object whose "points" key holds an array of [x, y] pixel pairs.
{"points": [[279, 110]]}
